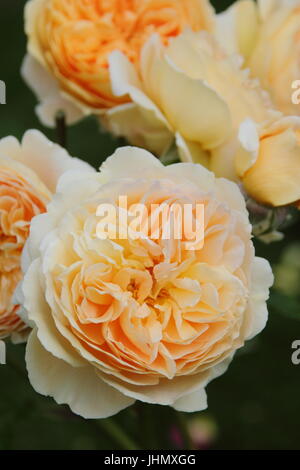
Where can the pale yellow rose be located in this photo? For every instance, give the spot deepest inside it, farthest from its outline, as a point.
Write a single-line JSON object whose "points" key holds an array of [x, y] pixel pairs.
{"points": [[119, 320], [193, 92], [69, 43], [268, 161], [28, 174], [268, 35]]}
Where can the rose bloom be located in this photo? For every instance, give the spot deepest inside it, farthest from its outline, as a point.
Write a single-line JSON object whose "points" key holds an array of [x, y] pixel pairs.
{"points": [[69, 44], [190, 91], [267, 34], [28, 174], [123, 319]]}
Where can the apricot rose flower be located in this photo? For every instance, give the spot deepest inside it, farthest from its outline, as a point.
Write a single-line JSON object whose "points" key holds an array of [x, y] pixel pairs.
{"points": [[69, 44], [123, 319], [28, 174]]}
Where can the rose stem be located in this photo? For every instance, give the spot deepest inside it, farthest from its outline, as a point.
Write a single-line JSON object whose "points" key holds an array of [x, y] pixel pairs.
{"points": [[61, 129], [117, 433]]}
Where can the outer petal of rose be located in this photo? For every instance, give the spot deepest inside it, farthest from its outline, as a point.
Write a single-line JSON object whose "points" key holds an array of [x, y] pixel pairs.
{"points": [[173, 392], [129, 162], [19, 337], [10, 147], [31, 13], [205, 179], [199, 56], [222, 159], [191, 152], [166, 392], [79, 387], [262, 279], [181, 99], [231, 194], [47, 90], [39, 314], [47, 159], [133, 162], [77, 185], [196, 111], [40, 226], [125, 81], [274, 178], [249, 147], [198, 175], [140, 127], [196, 401], [237, 27], [39, 155], [48, 107], [18, 299]]}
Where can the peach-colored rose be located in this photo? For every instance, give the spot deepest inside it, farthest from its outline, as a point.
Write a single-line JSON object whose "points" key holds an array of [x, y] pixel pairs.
{"points": [[190, 91], [28, 175], [119, 320], [194, 94], [69, 44]]}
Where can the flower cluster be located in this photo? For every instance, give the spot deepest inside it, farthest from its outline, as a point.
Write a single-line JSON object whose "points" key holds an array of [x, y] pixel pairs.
{"points": [[173, 71], [144, 317]]}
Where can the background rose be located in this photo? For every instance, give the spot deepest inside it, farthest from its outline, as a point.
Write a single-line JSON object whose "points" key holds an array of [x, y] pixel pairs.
{"points": [[184, 91], [195, 94], [69, 44], [139, 319], [28, 174]]}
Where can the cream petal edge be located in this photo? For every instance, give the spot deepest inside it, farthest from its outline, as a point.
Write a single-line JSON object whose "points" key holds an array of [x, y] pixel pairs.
{"points": [[80, 388]]}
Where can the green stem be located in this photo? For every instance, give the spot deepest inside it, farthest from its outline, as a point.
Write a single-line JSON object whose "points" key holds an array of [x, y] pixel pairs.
{"points": [[117, 433], [61, 129]]}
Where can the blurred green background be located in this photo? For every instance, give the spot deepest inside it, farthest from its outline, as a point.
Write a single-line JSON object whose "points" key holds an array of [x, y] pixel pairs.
{"points": [[255, 405]]}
